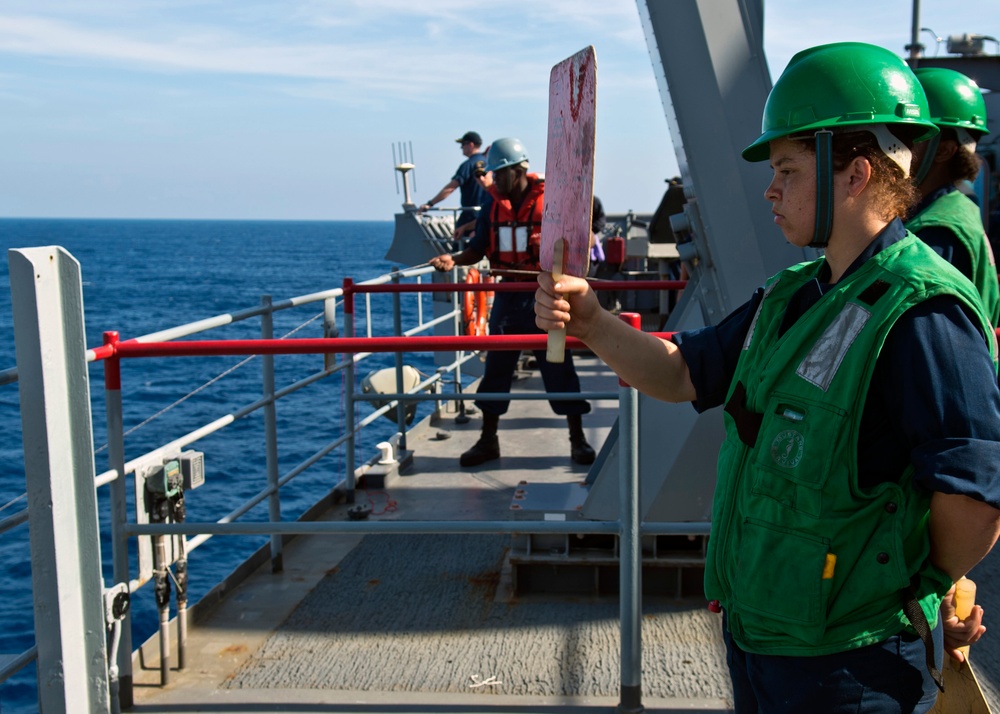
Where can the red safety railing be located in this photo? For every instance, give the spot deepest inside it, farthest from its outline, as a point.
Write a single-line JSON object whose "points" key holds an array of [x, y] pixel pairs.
{"points": [[113, 348], [329, 345]]}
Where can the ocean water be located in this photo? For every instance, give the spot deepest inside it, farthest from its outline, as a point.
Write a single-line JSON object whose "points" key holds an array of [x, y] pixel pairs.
{"points": [[140, 276]]}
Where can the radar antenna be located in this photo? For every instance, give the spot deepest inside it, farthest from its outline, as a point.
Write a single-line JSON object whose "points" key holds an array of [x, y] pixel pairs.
{"points": [[404, 165]]}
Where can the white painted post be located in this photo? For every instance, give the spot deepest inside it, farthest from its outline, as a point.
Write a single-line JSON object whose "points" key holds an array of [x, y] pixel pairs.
{"points": [[50, 343]]}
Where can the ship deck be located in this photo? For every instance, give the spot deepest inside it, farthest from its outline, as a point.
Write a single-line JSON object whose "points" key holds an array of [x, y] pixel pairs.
{"points": [[431, 623]]}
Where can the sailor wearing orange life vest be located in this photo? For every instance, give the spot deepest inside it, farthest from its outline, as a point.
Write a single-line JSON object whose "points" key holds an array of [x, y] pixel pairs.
{"points": [[509, 234]]}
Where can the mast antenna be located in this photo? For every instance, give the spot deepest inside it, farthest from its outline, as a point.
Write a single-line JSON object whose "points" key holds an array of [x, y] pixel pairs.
{"points": [[404, 166], [915, 48]]}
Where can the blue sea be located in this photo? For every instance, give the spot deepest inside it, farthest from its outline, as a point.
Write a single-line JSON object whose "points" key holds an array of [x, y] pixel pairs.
{"points": [[141, 276]]}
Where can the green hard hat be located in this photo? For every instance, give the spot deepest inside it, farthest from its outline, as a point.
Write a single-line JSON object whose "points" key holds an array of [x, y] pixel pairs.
{"points": [[954, 99], [840, 85], [505, 152]]}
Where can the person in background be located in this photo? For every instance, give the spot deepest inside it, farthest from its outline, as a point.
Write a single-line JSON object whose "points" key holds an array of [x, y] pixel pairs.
{"points": [[859, 476], [485, 181], [598, 220], [945, 218], [465, 179], [509, 234]]}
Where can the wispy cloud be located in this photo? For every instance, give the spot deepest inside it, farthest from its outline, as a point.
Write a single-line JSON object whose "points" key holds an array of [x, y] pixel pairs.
{"points": [[384, 47]]}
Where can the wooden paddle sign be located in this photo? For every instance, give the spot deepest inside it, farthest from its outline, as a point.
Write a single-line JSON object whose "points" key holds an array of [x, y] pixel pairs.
{"points": [[569, 175], [962, 693]]}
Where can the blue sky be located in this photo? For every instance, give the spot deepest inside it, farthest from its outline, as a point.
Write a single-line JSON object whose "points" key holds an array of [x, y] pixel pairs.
{"points": [[291, 109]]}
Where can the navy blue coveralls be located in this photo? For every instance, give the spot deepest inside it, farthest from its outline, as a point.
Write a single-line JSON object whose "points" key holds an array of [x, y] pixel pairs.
{"points": [[513, 313]]}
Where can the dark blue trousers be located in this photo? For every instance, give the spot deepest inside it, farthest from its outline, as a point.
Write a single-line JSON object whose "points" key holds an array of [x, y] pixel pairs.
{"points": [[514, 314], [890, 677]]}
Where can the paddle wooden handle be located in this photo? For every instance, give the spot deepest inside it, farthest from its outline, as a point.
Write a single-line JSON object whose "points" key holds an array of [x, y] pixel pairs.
{"points": [[965, 598], [962, 693], [555, 347]]}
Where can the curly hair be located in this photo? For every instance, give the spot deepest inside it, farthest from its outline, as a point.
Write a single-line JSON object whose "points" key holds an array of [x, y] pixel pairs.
{"points": [[964, 164], [893, 193]]}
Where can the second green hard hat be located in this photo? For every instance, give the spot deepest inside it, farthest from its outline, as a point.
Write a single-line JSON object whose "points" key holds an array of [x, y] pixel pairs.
{"points": [[954, 99]]}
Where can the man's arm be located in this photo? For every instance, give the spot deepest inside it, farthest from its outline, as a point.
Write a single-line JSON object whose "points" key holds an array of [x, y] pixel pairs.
{"points": [[440, 195], [465, 228], [447, 261]]}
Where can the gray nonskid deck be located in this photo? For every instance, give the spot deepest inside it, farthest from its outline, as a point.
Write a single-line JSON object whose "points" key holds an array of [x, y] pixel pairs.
{"points": [[453, 629]]}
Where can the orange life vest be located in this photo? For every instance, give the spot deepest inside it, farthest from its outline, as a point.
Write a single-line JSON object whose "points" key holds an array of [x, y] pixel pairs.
{"points": [[516, 238], [476, 306]]}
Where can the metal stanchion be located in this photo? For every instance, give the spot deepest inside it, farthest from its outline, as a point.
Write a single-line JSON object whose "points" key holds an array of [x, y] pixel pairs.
{"points": [[630, 557]]}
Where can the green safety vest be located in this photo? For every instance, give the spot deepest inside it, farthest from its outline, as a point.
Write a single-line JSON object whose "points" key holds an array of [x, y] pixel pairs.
{"points": [[959, 214], [802, 560]]}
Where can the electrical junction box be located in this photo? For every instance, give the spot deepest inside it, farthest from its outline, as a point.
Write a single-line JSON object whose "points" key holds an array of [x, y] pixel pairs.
{"points": [[165, 479], [193, 469], [156, 478]]}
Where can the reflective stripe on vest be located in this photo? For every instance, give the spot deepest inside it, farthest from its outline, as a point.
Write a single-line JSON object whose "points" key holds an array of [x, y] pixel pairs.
{"points": [[512, 239], [820, 365]]}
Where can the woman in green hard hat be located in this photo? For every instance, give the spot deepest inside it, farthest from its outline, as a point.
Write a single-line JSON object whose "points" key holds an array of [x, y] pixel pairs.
{"points": [[860, 473], [945, 218]]}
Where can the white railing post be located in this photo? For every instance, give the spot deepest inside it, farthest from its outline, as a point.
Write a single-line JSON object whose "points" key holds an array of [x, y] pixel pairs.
{"points": [[330, 330], [70, 629]]}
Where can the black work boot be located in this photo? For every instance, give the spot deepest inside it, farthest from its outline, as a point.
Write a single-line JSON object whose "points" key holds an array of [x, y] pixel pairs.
{"points": [[488, 446], [486, 449], [579, 450]]}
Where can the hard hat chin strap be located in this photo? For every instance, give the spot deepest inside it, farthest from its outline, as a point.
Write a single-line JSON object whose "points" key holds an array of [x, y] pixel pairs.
{"points": [[824, 189], [898, 152], [928, 160]]}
